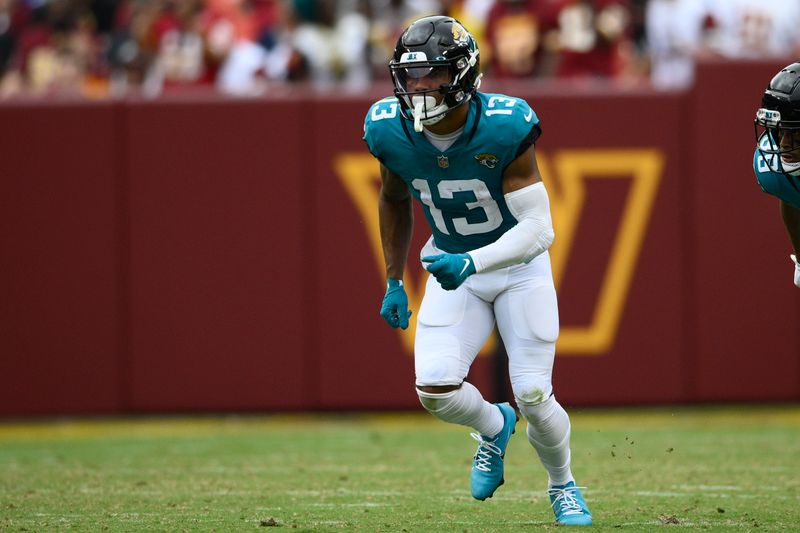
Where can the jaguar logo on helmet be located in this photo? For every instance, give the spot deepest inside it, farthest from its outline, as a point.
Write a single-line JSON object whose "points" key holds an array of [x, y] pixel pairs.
{"points": [[460, 35]]}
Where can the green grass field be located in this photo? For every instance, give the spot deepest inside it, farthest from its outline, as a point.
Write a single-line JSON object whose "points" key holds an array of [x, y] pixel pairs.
{"points": [[707, 469]]}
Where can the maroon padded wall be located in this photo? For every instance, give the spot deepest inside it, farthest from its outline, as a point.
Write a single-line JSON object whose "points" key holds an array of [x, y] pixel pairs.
{"points": [[217, 254], [58, 235]]}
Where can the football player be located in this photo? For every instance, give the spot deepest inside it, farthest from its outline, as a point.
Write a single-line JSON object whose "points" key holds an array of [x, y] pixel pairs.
{"points": [[777, 157], [469, 158]]}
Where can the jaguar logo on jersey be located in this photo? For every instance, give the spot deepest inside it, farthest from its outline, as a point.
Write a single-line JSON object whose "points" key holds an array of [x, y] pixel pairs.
{"points": [[487, 160], [443, 161]]}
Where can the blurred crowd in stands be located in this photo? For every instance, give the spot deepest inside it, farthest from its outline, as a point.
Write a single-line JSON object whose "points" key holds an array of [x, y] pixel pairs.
{"points": [[110, 48]]}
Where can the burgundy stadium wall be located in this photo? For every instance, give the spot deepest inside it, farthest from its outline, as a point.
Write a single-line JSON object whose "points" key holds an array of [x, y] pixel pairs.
{"points": [[213, 254]]}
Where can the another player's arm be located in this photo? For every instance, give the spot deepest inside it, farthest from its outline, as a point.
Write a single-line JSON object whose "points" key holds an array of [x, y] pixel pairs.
{"points": [[791, 219], [396, 222]]}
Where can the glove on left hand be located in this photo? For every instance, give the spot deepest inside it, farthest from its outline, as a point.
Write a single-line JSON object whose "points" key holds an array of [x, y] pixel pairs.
{"points": [[450, 270], [796, 270]]}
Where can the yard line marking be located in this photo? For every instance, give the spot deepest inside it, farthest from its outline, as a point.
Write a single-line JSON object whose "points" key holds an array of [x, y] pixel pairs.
{"points": [[356, 504], [707, 487]]}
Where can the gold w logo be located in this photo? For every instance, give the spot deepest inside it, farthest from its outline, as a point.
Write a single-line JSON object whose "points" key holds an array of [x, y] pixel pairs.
{"points": [[359, 174]]}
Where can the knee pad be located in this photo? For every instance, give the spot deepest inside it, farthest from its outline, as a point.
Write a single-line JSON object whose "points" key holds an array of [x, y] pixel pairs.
{"points": [[531, 390], [432, 401]]}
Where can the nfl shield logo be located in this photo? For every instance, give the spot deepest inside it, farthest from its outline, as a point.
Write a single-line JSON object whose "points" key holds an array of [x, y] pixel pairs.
{"points": [[443, 161]]}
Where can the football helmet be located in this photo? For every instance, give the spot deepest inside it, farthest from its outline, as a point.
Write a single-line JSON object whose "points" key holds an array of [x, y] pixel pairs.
{"points": [[442, 48], [777, 123]]}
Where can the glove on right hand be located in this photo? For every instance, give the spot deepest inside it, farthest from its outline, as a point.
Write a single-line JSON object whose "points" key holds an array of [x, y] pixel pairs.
{"points": [[395, 304]]}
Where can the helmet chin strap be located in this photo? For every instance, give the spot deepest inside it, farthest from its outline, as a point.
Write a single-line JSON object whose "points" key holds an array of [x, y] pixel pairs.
{"points": [[424, 105]]}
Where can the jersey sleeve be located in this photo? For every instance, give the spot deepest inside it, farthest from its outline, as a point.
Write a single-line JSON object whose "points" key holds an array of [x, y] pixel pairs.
{"points": [[530, 128], [516, 124], [378, 116], [533, 135], [766, 178]]}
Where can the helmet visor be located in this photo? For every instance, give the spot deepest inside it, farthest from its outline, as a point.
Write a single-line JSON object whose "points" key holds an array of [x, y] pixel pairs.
{"points": [[421, 77]]}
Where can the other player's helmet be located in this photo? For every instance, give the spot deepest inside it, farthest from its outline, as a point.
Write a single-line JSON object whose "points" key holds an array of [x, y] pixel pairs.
{"points": [[430, 43], [779, 114]]}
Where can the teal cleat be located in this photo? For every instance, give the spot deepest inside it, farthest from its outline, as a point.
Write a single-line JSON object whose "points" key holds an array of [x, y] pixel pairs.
{"points": [[569, 506], [487, 468]]}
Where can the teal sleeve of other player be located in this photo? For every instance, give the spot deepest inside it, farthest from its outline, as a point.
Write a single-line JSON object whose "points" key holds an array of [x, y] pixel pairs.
{"points": [[772, 180]]}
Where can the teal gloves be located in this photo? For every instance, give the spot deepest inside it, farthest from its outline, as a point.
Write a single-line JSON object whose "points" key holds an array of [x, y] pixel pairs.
{"points": [[395, 304], [450, 270]]}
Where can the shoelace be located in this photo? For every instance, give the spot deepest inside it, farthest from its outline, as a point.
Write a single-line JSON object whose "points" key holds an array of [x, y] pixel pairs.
{"points": [[565, 497], [483, 456]]}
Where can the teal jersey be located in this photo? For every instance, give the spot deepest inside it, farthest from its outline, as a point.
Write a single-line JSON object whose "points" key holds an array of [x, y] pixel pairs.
{"points": [[460, 188], [778, 184]]}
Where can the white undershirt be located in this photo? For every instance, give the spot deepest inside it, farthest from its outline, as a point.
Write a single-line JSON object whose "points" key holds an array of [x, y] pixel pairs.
{"points": [[443, 142]]}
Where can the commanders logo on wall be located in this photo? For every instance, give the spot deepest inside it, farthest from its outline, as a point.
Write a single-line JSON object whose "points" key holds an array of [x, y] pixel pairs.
{"points": [[566, 174]]}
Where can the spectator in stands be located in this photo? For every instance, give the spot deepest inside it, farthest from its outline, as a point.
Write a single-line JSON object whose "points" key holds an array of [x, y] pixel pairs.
{"points": [[333, 41], [7, 38], [110, 47], [756, 29], [268, 57], [181, 58], [520, 35], [55, 52], [12, 19], [594, 38], [675, 31]]}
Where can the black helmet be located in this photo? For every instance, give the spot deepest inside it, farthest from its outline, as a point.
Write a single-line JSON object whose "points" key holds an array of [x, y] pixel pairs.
{"points": [[780, 114], [435, 43]]}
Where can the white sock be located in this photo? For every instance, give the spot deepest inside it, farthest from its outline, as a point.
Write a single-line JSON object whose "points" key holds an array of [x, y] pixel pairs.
{"points": [[548, 432], [464, 406]]}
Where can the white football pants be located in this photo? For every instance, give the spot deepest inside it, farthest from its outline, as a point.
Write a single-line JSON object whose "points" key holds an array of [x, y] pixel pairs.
{"points": [[452, 326]]}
